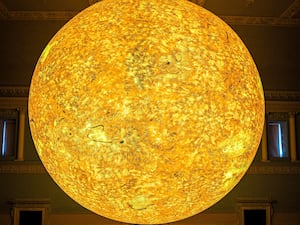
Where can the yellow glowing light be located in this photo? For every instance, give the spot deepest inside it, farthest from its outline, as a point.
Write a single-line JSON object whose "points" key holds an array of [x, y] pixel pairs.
{"points": [[146, 111]]}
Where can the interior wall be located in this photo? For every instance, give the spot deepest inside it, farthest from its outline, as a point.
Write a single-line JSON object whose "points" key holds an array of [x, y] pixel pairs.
{"points": [[276, 53]]}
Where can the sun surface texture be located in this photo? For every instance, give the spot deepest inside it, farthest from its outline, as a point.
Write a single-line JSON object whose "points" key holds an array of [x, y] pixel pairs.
{"points": [[146, 111]]}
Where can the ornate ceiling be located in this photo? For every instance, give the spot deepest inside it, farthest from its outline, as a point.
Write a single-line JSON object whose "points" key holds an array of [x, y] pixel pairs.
{"points": [[235, 12]]}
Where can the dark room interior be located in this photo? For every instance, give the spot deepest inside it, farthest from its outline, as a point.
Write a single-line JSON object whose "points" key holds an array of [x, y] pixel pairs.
{"points": [[269, 192]]}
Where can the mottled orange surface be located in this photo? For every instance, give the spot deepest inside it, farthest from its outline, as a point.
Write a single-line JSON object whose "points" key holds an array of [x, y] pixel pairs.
{"points": [[146, 111]]}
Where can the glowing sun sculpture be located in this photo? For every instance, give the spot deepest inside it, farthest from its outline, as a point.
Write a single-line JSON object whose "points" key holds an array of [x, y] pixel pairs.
{"points": [[146, 111]]}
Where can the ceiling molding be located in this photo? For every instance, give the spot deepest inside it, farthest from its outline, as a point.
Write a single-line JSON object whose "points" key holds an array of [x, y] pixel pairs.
{"points": [[271, 169], [14, 91], [292, 10], [3, 10], [198, 2], [282, 101], [261, 21], [232, 20], [270, 95], [22, 168], [39, 15], [282, 95], [38, 168]]}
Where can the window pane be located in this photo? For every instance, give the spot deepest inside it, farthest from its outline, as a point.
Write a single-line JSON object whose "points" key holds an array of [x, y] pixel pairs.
{"points": [[30, 218], [278, 144], [10, 141], [255, 217], [1, 134], [8, 133]]}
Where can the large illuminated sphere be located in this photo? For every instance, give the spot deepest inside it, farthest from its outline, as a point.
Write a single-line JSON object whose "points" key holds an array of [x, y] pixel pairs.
{"points": [[146, 111]]}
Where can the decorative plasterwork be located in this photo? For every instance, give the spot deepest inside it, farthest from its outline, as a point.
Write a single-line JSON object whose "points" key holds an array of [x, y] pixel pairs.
{"points": [[17, 168], [14, 91], [275, 101], [274, 169], [232, 20], [261, 21], [282, 95], [282, 101], [266, 168], [40, 15], [14, 97], [199, 2], [3, 11], [254, 200], [33, 202], [29, 204], [270, 95], [292, 10]]}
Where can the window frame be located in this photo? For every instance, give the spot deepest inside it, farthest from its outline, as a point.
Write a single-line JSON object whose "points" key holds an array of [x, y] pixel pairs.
{"points": [[6, 115], [254, 204], [282, 101], [16, 98], [17, 212], [278, 118], [21, 205]]}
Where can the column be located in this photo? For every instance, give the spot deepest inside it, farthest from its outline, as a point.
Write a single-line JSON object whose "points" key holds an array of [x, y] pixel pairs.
{"points": [[264, 144], [292, 135], [20, 155]]}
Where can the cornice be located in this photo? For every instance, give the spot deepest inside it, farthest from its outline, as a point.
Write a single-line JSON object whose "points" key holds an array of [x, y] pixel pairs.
{"points": [[282, 95], [14, 97], [261, 21], [67, 15], [3, 11], [30, 203], [270, 95], [39, 15], [199, 2], [282, 101], [267, 168], [14, 92], [17, 168]]}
